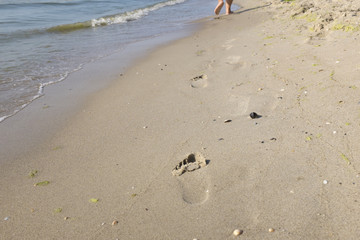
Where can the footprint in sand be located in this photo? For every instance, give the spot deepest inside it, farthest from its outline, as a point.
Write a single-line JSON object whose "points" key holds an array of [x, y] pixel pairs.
{"points": [[243, 104], [227, 45], [194, 186], [238, 104], [199, 81], [235, 61]]}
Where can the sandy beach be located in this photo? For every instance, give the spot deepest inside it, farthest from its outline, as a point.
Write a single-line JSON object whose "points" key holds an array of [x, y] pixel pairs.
{"points": [[169, 150]]}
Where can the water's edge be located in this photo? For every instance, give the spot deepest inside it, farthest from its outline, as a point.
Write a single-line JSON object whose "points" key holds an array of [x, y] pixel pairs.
{"points": [[37, 123], [43, 52]]}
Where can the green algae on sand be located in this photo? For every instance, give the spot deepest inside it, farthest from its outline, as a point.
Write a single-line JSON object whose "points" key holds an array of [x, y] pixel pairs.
{"points": [[43, 183], [57, 210], [33, 173], [345, 158], [94, 200]]}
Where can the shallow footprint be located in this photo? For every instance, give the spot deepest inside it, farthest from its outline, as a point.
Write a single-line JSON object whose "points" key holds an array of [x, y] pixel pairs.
{"points": [[228, 44], [238, 105], [199, 81], [194, 186], [235, 61]]}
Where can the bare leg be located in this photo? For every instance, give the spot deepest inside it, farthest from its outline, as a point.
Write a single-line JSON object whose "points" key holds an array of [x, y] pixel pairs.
{"points": [[228, 7], [218, 7]]}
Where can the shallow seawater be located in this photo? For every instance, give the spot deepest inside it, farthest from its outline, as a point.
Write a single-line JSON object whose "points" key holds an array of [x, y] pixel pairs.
{"points": [[43, 41]]}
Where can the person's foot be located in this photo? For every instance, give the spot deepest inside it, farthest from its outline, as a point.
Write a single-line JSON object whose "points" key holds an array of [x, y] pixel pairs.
{"points": [[230, 12], [218, 8]]}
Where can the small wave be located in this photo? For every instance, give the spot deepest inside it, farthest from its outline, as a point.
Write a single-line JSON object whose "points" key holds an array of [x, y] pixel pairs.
{"points": [[114, 19], [132, 15], [70, 27]]}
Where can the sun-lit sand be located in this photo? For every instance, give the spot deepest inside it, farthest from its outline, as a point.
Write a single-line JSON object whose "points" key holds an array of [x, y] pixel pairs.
{"points": [[169, 151]]}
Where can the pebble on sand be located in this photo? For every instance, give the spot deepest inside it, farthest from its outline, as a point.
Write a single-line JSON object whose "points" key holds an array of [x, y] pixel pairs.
{"points": [[114, 222], [271, 230], [254, 115]]}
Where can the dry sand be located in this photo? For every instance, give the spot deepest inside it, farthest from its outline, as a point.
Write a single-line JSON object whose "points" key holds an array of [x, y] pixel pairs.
{"points": [[294, 170]]}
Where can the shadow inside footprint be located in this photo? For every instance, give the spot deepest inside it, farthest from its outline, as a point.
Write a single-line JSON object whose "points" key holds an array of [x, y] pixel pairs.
{"points": [[199, 81], [192, 162]]}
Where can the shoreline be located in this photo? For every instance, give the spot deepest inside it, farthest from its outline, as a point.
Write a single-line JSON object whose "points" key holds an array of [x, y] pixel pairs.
{"points": [[70, 50], [170, 152], [42, 118]]}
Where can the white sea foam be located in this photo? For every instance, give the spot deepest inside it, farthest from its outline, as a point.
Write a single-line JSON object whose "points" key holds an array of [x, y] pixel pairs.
{"points": [[132, 15], [40, 92]]}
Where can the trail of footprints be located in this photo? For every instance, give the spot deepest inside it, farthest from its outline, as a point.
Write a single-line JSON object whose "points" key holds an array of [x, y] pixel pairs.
{"points": [[194, 186]]}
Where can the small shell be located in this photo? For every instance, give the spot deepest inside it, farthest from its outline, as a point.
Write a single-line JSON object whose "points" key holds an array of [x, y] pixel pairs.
{"points": [[325, 182], [114, 222], [271, 230], [66, 218], [237, 232], [227, 121]]}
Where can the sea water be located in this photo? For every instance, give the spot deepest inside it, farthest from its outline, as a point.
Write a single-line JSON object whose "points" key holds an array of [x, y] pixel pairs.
{"points": [[43, 41]]}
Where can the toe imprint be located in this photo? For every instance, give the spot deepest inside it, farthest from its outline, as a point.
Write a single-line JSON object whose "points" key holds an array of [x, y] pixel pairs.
{"points": [[199, 81], [189, 164]]}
